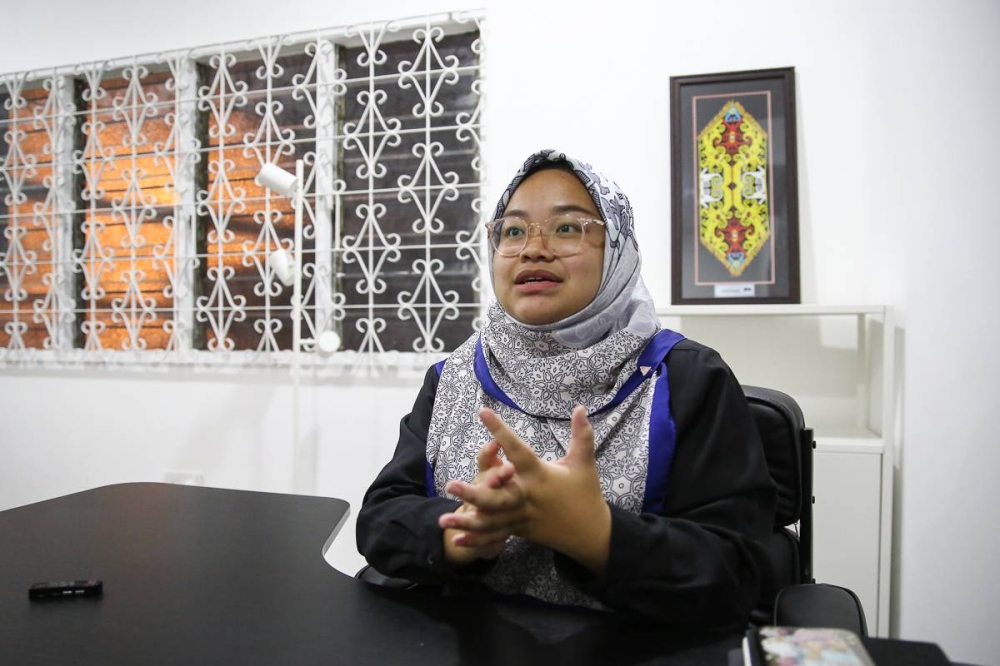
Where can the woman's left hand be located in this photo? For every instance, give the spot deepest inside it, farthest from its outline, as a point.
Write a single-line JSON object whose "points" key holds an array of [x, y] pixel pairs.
{"points": [[558, 505]]}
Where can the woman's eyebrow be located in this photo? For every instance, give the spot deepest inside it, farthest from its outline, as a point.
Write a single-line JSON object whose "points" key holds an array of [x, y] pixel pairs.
{"points": [[554, 210]]}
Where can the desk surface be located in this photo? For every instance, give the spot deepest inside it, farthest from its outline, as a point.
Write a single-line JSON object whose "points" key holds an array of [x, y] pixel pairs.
{"points": [[202, 575]]}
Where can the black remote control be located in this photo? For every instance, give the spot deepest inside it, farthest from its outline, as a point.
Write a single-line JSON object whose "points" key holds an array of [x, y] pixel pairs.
{"points": [[64, 589]]}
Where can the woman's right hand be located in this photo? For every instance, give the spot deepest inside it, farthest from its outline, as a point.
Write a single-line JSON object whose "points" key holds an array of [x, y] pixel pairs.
{"points": [[463, 547]]}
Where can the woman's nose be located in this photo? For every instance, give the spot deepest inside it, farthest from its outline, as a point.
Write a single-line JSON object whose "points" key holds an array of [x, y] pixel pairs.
{"points": [[535, 244]]}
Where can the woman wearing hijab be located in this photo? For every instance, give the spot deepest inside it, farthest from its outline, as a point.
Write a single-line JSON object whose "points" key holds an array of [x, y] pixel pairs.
{"points": [[572, 451]]}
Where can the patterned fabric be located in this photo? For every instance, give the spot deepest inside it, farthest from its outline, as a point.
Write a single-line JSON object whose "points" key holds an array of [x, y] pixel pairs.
{"points": [[734, 212], [538, 374]]}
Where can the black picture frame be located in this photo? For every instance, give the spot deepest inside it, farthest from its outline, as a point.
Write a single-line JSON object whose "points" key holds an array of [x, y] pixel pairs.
{"points": [[717, 256]]}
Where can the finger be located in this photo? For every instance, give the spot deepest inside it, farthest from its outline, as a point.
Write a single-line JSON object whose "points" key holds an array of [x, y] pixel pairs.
{"points": [[481, 521], [482, 497], [581, 443], [497, 476], [517, 452], [487, 456]]}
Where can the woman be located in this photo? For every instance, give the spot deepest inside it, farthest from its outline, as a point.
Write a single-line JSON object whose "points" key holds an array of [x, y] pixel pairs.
{"points": [[572, 451]]}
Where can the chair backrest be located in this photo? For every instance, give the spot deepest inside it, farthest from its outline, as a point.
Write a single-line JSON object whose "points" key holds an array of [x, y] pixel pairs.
{"points": [[788, 448]]}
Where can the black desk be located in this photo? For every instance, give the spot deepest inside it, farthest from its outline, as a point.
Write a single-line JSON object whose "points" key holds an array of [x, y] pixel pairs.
{"points": [[208, 576]]}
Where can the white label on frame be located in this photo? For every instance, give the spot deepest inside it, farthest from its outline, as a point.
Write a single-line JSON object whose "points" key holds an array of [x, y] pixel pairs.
{"points": [[734, 290]]}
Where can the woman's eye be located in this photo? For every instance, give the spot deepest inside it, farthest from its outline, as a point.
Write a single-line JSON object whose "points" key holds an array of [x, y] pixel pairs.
{"points": [[569, 227], [511, 231]]}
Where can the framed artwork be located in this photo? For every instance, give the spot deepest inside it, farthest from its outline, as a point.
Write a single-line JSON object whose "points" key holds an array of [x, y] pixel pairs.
{"points": [[734, 188]]}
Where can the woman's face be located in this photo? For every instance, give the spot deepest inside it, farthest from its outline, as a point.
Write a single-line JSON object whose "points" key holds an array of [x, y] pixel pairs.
{"points": [[535, 286]]}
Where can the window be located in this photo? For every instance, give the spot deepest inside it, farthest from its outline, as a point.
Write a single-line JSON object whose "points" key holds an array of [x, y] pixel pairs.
{"points": [[36, 243], [133, 229]]}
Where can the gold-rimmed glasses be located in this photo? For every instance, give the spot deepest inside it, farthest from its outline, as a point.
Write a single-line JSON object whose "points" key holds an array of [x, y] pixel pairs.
{"points": [[562, 234]]}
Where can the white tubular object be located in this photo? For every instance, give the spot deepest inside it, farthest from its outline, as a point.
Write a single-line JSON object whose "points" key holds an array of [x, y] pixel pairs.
{"points": [[328, 343], [278, 180], [283, 264]]}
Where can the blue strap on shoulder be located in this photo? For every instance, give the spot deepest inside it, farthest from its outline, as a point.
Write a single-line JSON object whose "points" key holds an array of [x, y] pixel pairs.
{"points": [[662, 435]]}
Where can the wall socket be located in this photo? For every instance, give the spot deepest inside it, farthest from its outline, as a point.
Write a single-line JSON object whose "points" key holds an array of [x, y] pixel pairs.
{"points": [[184, 478]]}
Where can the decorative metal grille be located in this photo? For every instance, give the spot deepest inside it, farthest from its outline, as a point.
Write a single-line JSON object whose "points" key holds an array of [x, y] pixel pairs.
{"points": [[133, 230]]}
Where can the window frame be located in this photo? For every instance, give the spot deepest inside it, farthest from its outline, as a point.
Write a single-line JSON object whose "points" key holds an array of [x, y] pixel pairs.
{"points": [[182, 348]]}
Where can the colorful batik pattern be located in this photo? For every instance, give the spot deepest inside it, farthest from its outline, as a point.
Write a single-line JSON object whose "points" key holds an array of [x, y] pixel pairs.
{"points": [[733, 202]]}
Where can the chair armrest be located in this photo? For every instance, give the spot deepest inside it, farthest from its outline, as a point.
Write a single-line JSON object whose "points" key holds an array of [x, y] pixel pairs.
{"points": [[820, 605], [369, 574]]}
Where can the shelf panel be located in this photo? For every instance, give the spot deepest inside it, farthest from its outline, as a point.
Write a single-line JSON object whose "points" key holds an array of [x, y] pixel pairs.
{"points": [[848, 440], [768, 310]]}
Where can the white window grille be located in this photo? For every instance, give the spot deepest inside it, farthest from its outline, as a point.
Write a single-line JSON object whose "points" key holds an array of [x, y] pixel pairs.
{"points": [[133, 230]]}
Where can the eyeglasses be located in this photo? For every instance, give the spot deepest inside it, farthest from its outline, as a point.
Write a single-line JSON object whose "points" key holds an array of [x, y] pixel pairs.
{"points": [[562, 234]]}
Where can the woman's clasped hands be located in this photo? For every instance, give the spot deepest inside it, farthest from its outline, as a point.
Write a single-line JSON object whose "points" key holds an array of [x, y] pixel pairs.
{"points": [[558, 505]]}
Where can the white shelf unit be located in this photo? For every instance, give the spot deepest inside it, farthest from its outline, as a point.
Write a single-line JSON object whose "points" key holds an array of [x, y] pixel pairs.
{"points": [[837, 361]]}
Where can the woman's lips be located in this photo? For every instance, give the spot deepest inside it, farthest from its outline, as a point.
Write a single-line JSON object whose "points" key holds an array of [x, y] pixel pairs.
{"points": [[535, 274], [532, 281], [536, 286]]}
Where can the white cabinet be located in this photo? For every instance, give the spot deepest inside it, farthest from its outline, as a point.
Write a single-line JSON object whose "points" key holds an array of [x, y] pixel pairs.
{"points": [[847, 486], [837, 362]]}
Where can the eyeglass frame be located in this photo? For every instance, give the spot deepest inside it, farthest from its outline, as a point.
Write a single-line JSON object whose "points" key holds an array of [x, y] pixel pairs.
{"points": [[491, 225]]}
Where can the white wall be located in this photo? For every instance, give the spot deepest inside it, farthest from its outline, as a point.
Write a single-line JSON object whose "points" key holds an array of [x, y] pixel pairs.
{"points": [[929, 197], [896, 105]]}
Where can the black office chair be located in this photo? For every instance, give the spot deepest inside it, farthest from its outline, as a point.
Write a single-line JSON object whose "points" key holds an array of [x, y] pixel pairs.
{"points": [[790, 595]]}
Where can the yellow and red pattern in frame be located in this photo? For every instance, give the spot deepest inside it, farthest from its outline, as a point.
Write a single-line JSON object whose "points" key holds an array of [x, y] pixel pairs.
{"points": [[732, 192]]}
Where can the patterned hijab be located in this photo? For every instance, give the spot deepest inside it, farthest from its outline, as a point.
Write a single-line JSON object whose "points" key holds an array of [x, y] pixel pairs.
{"points": [[534, 376], [622, 301]]}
